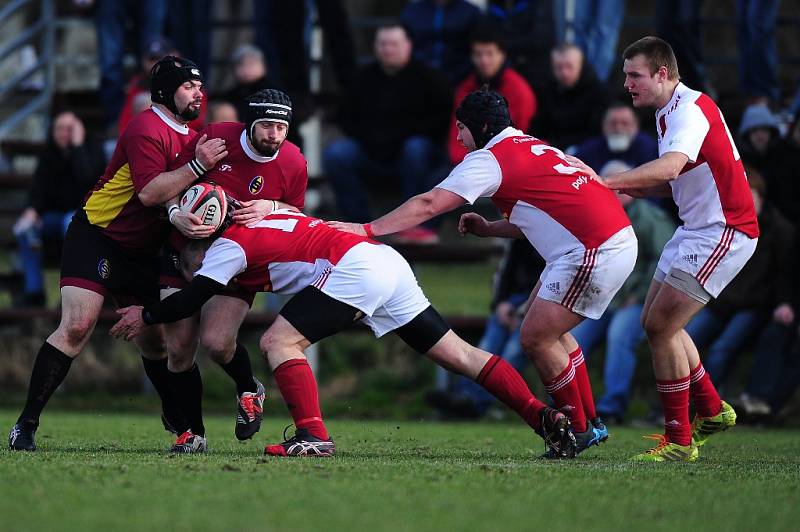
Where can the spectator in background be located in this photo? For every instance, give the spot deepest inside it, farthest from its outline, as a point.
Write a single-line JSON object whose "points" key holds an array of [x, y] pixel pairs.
{"points": [[222, 111], [783, 180], [489, 67], [758, 55], [190, 28], [620, 325], [758, 133], [111, 19], [440, 31], [69, 167], [759, 291], [678, 23], [515, 279], [594, 26], [621, 141], [138, 90], [571, 106], [394, 117], [250, 75], [530, 36]]}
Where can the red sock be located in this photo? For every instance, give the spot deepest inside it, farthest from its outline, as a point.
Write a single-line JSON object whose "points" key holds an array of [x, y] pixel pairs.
{"points": [[299, 390], [585, 387], [704, 395], [675, 400], [504, 382], [565, 392]]}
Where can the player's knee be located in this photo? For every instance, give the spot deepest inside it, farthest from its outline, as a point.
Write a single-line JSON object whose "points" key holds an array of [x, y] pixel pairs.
{"points": [[657, 325], [76, 331], [217, 346], [179, 363], [532, 341]]}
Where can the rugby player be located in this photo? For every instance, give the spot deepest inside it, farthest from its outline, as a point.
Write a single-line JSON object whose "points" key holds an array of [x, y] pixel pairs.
{"points": [[338, 278], [112, 243], [700, 168], [263, 172], [577, 225]]}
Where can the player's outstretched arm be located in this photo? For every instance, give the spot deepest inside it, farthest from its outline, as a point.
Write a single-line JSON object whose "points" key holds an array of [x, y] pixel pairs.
{"points": [[653, 174], [473, 223], [413, 212], [178, 306]]}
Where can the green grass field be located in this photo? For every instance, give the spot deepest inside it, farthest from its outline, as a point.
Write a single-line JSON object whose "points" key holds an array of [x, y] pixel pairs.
{"points": [[110, 472]]}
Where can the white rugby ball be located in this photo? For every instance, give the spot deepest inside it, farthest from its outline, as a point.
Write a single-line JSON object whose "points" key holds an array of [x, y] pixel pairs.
{"points": [[206, 201]]}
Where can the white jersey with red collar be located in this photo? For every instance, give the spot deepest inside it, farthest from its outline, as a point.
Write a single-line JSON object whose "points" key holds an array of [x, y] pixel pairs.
{"points": [[558, 208], [712, 188], [283, 253]]}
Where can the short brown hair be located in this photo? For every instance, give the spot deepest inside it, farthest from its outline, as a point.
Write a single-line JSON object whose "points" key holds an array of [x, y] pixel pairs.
{"points": [[658, 53]]}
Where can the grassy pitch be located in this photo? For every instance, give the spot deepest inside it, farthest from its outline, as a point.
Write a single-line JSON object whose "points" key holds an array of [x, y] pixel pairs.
{"points": [[110, 472]]}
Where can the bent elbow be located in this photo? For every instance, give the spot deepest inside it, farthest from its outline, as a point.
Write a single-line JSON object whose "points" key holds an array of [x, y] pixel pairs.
{"points": [[149, 199]]}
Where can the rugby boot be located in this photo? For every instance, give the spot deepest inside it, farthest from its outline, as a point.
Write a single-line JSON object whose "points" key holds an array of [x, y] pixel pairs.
{"points": [[302, 444], [189, 443], [251, 411], [557, 434], [601, 428], [703, 427], [667, 451], [21, 437]]}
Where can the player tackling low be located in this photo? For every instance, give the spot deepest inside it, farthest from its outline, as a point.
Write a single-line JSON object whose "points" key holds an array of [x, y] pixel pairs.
{"points": [[577, 225], [338, 278], [700, 168]]}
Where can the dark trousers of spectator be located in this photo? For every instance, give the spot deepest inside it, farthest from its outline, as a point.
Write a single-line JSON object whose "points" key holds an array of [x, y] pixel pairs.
{"points": [[758, 55], [111, 17], [622, 330], [54, 226], [348, 164], [725, 339], [776, 365], [189, 26], [678, 23]]}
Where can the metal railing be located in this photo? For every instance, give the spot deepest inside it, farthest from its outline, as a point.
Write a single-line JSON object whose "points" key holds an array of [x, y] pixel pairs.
{"points": [[41, 31]]}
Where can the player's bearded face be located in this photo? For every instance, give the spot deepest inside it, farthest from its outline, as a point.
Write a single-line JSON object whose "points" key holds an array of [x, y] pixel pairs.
{"points": [[268, 137], [189, 100]]}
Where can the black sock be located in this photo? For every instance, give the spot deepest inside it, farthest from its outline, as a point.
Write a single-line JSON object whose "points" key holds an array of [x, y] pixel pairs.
{"points": [[49, 370], [158, 374], [240, 370], [188, 387]]}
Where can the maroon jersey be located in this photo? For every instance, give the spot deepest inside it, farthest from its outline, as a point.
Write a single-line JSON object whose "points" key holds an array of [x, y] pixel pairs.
{"points": [[147, 148], [282, 253], [247, 175]]}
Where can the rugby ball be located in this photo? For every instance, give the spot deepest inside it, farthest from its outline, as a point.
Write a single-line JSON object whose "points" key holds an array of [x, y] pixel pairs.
{"points": [[206, 201]]}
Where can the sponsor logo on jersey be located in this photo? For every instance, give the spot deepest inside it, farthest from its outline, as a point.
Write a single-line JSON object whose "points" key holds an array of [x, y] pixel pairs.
{"points": [[225, 168], [256, 184], [691, 258], [315, 223], [582, 180], [104, 268]]}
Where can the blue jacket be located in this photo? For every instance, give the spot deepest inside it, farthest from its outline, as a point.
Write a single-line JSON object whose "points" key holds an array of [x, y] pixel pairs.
{"points": [[596, 154]]}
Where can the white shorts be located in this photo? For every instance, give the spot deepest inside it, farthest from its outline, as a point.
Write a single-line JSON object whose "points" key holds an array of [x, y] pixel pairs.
{"points": [[713, 255], [586, 280], [378, 281]]}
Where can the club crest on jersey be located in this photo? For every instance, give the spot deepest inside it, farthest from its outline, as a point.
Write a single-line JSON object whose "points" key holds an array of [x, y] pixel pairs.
{"points": [[104, 268], [225, 168], [256, 185]]}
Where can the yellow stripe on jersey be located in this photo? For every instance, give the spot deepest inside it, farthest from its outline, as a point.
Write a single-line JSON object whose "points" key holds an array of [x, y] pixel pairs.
{"points": [[106, 203]]}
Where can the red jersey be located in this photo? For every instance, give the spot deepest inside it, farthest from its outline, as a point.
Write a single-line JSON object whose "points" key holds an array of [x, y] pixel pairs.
{"points": [[247, 175], [147, 148], [557, 206], [283, 253]]}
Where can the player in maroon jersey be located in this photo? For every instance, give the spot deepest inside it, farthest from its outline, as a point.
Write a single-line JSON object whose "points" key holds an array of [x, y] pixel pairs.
{"points": [[577, 225], [262, 172], [112, 244], [699, 166], [338, 278]]}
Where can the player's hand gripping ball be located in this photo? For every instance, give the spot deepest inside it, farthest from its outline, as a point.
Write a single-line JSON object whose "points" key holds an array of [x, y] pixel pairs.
{"points": [[206, 201]]}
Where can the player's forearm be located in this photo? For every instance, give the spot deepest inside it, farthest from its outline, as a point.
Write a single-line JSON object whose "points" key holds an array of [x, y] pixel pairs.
{"points": [[184, 303], [505, 229], [167, 185], [649, 175], [413, 212]]}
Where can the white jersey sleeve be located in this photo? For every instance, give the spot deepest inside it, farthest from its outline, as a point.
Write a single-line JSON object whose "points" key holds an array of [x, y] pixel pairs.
{"points": [[477, 176], [224, 260], [686, 130]]}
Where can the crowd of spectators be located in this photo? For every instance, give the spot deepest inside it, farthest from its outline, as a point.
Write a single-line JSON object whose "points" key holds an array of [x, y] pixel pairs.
{"points": [[397, 135]]}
